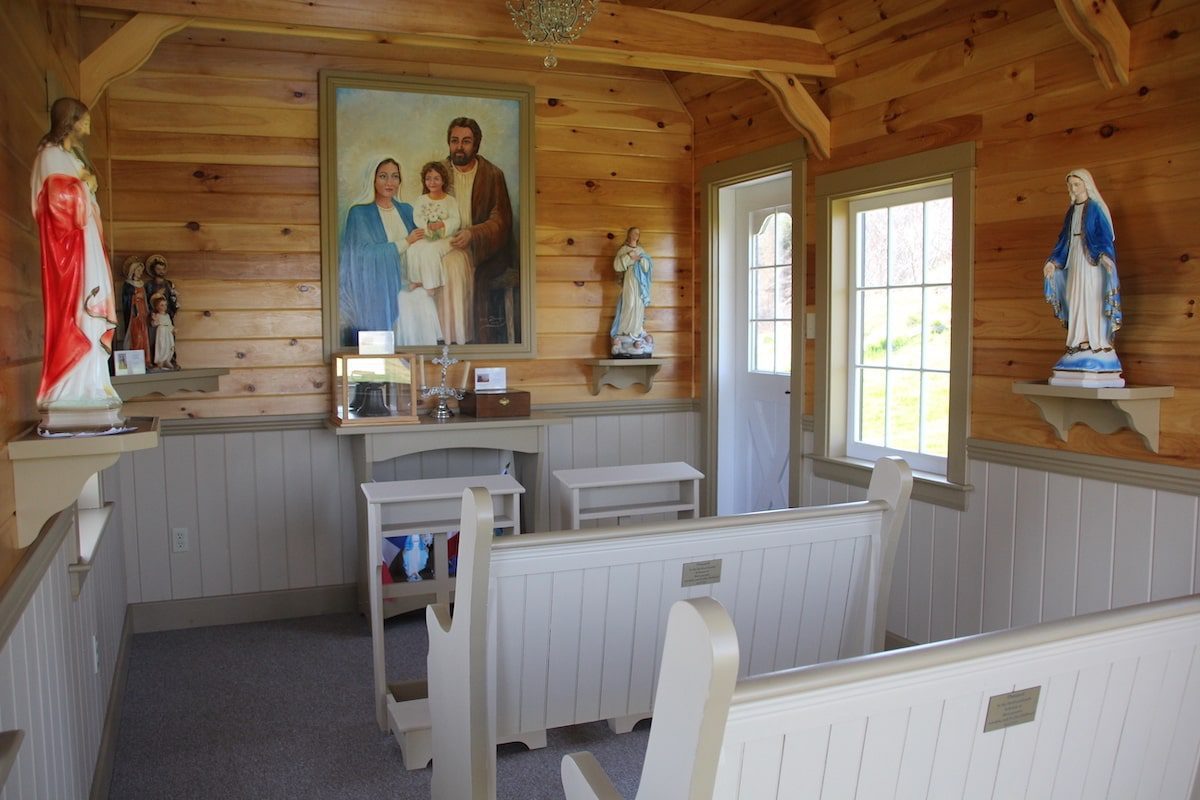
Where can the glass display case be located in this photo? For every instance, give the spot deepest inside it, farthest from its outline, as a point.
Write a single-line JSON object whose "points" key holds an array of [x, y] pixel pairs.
{"points": [[374, 389]]}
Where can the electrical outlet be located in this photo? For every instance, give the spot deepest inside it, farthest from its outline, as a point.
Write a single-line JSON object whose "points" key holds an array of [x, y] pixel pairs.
{"points": [[179, 540]]}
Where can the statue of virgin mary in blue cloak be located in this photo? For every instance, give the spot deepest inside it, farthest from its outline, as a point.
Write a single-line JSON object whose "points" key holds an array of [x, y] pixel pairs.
{"points": [[1081, 285]]}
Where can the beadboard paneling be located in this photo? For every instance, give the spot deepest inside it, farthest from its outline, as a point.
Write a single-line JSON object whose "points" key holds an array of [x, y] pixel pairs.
{"points": [[272, 510], [1034, 546], [48, 686]]}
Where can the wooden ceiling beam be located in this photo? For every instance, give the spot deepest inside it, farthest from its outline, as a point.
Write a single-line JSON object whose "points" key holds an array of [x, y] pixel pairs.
{"points": [[775, 56], [123, 52], [800, 109], [619, 34], [1098, 24]]}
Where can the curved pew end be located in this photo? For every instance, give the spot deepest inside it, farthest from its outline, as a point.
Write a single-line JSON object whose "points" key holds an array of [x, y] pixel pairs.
{"points": [[584, 779], [464, 745], [627, 723], [691, 703]]}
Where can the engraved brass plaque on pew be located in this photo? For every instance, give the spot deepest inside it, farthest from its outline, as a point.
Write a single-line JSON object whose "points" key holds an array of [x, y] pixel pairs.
{"points": [[701, 573], [1014, 708]]}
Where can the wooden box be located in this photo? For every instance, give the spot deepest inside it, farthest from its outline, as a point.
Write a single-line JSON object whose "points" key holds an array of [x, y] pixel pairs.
{"points": [[495, 404]]}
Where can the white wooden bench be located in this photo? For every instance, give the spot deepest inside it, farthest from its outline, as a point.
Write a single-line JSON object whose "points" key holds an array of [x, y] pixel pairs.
{"points": [[1103, 705], [396, 508], [609, 493], [431, 505]]}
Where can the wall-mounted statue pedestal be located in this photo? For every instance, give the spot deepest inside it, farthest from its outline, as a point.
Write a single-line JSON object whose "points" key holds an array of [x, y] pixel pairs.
{"points": [[624, 372], [1105, 410], [49, 474]]}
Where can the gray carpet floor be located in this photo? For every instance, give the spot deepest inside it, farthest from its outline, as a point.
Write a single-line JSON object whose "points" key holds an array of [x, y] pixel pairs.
{"points": [[284, 710]]}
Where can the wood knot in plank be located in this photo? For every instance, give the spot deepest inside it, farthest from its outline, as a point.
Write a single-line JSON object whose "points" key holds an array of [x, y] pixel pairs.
{"points": [[192, 226]]}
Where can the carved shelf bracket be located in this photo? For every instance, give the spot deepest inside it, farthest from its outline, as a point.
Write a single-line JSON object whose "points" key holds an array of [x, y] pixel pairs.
{"points": [[165, 383], [1099, 26], [49, 474], [123, 52], [624, 372], [1102, 409], [799, 108]]}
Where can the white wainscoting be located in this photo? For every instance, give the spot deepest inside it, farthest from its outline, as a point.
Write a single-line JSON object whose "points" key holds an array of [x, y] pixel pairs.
{"points": [[48, 687], [272, 510], [1032, 546]]}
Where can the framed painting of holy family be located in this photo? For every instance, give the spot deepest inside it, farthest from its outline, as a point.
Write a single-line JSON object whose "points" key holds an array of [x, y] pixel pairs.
{"points": [[427, 213]]}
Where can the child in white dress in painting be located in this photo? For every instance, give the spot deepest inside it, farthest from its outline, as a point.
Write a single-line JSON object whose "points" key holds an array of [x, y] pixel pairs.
{"points": [[436, 213]]}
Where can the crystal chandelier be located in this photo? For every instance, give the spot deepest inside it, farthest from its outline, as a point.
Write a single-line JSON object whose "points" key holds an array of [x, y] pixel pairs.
{"points": [[551, 22]]}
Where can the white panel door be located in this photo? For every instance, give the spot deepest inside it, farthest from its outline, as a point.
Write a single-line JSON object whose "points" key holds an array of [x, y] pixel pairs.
{"points": [[762, 336]]}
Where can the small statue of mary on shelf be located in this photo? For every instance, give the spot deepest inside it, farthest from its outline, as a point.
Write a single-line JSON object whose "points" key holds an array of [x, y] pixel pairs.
{"points": [[1081, 285], [629, 337]]}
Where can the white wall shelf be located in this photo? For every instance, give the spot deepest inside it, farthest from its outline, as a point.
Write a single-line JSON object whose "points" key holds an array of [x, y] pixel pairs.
{"points": [[624, 372], [165, 383], [1105, 410], [50, 473]]}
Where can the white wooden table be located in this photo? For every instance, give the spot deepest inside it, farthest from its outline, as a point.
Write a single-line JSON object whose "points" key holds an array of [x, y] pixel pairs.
{"points": [[433, 505], [595, 493], [526, 437]]}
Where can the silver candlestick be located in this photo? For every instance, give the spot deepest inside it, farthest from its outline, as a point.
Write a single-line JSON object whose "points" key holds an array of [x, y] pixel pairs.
{"points": [[443, 412]]}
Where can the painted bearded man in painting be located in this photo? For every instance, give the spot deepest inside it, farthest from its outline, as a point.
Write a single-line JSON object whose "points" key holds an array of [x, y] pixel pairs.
{"points": [[484, 245]]}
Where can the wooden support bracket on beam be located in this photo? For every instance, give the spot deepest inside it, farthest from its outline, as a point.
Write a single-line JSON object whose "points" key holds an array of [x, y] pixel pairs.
{"points": [[1103, 31], [123, 52], [628, 35], [799, 108]]}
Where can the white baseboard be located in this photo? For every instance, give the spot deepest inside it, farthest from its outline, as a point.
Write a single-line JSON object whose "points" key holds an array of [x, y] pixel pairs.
{"points": [[169, 615], [102, 775]]}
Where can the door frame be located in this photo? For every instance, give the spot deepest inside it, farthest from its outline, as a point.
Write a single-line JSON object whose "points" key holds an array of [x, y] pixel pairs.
{"points": [[763, 163]]}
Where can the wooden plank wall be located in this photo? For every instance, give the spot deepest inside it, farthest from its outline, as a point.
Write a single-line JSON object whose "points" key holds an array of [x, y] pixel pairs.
{"points": [[215, 164], [37, 38], [1008, 76]]}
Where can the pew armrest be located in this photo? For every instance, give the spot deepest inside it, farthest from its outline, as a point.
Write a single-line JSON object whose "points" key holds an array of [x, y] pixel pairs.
{"points": [[584, 779]]}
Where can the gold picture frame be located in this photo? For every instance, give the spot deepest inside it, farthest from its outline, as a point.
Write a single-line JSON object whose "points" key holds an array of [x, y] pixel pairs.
{"points": [[366, 120]]}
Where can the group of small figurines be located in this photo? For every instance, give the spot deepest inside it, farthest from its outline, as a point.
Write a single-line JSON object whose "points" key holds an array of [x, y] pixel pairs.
{"points": [[149, 303]]}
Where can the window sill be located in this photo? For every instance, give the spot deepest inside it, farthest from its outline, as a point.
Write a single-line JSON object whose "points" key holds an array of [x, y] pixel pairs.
{"points": [[93, 522], [927, 488]]}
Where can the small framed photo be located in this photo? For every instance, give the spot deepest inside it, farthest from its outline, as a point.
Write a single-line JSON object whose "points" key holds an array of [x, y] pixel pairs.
{"points": [[130, 362], [490, 379]]}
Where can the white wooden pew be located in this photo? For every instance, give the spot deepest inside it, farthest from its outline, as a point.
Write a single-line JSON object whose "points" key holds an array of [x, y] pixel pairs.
{"points": [[576, 620], [1105, 705], [580, 616]]}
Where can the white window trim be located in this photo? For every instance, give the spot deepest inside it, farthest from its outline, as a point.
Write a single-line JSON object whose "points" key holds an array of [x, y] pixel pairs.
{"points": [[748, 287], [833, 195]]}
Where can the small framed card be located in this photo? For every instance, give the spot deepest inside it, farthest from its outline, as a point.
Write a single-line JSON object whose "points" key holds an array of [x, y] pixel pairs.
{"points": [[130, 362], [490, 379], [376, 343]]}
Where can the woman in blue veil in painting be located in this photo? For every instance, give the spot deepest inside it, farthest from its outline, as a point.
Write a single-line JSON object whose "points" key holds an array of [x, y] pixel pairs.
{"points": [[379, 229]]}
